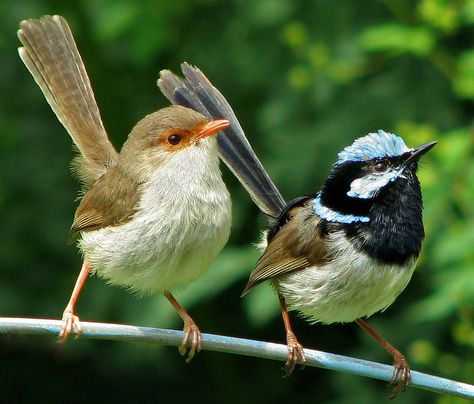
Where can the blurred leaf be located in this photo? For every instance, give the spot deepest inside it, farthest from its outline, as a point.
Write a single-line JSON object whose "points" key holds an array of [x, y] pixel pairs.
{"points": [[295, 35], [441, 14], [231, 265], [452, 290], [398, 38], [464, 81], [299, 77], [468, 11], [116, 18], [261, 305], [423, 352], [451, 247]]}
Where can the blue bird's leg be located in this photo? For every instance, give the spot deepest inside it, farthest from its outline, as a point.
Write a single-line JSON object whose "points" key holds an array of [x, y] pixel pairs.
{"points": [[401, 371], [295, 349]]}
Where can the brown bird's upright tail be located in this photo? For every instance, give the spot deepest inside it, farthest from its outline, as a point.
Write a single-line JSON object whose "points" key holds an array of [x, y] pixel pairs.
{"points": [[197, 92], [50, 54]]}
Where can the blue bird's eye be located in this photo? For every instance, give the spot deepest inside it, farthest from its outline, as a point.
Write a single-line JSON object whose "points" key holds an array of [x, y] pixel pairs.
{"points": [[380, 166]]}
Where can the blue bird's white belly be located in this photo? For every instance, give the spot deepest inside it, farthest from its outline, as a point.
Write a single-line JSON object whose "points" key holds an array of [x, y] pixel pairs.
{"points": [[175, 234], [351, 286]]}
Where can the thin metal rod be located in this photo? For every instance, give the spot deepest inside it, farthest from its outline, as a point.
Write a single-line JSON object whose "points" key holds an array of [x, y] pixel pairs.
{"points": [[238, 346]]}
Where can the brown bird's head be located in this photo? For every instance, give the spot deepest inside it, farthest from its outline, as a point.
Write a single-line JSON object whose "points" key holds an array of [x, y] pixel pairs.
{"points": [[174, 137]]}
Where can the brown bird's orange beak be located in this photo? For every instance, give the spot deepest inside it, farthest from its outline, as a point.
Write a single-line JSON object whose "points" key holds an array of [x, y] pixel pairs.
{"points": [[211, 127]]}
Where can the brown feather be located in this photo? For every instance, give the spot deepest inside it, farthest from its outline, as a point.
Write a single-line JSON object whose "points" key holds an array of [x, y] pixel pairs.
{"points": [[114, 198], [50, 54], [290, 249], [112, 201]]}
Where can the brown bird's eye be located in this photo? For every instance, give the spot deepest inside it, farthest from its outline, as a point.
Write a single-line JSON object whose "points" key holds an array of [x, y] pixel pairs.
{"points": [[380, 166], [174, 139]]}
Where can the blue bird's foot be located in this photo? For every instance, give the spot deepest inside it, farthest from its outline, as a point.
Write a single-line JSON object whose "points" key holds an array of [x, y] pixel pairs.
{"points": [[295, 354], [401, 375]]}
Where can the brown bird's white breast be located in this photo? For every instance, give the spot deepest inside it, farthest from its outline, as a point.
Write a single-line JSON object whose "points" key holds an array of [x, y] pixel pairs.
{"points": [[182, 222]]}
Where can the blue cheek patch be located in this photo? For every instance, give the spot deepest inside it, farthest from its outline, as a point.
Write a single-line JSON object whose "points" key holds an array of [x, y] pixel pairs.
{"points": [[332, 216], [369, 186]]}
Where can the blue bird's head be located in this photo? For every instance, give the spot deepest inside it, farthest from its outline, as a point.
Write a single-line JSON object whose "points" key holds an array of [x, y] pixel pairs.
{"points": [[377, 169]]}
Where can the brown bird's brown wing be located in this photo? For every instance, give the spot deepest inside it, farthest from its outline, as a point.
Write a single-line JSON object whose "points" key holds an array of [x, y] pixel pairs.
{"points": [[50, 54], [290, 249], [111, 202]]}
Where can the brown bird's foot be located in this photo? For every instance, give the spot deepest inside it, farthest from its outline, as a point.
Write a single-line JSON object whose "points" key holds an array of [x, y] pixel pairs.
{"points": [[295, 354], [70, 321], [191, 341], [192, 336], [401, 375]]}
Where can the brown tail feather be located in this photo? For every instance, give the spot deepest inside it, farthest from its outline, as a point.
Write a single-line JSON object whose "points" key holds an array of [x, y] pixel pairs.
{"points": [[50, 54]]}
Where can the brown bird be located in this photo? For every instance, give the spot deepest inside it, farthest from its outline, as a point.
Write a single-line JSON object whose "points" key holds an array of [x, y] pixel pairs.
{"points": [[155, 215]]}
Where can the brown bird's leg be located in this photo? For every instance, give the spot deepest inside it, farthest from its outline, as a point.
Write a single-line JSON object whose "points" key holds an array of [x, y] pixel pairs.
{"points": [[70, 320], [295, 349], [401, 371], [191, 330]]}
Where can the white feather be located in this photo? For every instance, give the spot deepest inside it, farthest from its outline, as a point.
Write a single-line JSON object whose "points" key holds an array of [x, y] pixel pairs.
{"points": [[351, 286], [370, 185], [182, 223]]}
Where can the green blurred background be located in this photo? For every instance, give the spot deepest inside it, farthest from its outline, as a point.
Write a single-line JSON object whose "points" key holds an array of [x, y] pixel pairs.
{"points": [[305, 78]]}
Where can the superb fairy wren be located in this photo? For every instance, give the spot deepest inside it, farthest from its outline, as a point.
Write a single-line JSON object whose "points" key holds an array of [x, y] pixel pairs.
{"points": [[348, 251], [155, 215], [343, 253]]}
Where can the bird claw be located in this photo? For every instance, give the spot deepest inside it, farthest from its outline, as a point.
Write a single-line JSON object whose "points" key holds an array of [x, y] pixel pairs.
{"points": [[191, 342], [401, 375], [295, 355], [70, 321]]}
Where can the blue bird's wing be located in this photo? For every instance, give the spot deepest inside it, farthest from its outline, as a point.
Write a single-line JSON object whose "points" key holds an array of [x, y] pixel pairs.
{"points": [[295, 244], [284, 216]]}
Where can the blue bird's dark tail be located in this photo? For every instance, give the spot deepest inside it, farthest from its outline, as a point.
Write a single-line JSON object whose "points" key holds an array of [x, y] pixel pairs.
{"points": [[196, 91]]}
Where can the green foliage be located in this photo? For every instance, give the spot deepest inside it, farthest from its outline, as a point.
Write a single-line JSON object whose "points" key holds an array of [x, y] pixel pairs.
{"points": [[305, 79], [397, 39]]}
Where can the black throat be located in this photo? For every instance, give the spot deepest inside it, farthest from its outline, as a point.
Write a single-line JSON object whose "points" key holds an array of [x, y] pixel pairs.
{"points": [[394, 232]]}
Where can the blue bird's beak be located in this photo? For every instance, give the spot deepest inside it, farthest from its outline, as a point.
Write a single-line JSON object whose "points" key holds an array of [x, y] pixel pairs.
{"points": [[417, 152]]}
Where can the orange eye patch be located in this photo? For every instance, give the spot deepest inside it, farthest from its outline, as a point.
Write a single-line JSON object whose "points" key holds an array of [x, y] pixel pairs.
{"points": [[175, 139]]}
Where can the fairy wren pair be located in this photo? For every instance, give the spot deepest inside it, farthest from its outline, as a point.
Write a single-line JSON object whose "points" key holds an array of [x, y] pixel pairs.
{"points": [[152, 217], [155, 215], [340, 254]]}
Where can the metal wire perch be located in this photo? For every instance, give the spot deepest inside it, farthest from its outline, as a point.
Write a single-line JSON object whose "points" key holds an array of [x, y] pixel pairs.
{"points": [[238, 346]]}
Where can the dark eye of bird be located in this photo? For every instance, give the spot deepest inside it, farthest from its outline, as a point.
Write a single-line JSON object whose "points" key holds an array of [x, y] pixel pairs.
{"points": [[174, 139], [380, 166]]}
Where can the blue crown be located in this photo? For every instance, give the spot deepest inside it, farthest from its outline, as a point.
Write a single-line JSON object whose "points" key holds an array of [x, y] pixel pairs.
{"points": [[374, 145]]}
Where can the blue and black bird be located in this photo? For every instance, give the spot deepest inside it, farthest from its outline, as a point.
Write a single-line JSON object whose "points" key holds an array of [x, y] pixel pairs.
{"points": [[343, 253], [348, 251]]}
